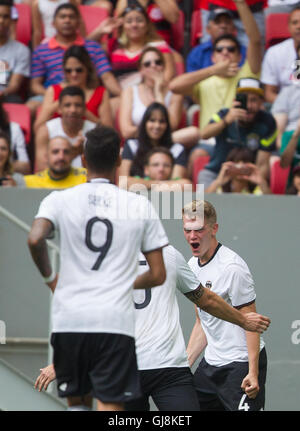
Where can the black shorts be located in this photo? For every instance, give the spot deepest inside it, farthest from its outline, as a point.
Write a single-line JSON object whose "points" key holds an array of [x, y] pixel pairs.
{"points": [[170, 388], [219, 388], [101, 364]]}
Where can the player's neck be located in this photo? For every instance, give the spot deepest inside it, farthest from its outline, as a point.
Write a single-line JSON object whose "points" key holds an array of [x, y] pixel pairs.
{"points": [[106, 176]]}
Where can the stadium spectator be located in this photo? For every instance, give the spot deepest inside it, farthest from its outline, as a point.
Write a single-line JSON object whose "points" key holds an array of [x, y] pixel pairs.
{"points": [[136, 33], [71, 125], [232, 374], [279, 6], [78, 71], [290, 150], [220, 22], [239, 174], [88, 310], [19, 155], [47, 58], [286, 110], [158, 172], [249, 126], [153, 88], [8, 178], [276, 73], [256, 7], [162, 13], [60, 173], [15, 59], [42, 19], [294, 188], [214, 87], [154, 131]]}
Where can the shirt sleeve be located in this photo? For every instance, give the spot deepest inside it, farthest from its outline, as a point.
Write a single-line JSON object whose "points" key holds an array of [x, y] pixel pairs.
{"points": [[127, 153], [194, 60], [281, 102], [99, 57], [22, 66], [241, 285], [186, 280], [38, 68], [268, 72], [50, 208], [154, 234]]}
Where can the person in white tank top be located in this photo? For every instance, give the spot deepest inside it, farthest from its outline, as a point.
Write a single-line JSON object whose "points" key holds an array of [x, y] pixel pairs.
{"points": [[152, 88]]}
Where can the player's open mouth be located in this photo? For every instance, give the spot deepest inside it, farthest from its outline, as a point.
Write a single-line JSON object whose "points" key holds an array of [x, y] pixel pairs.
{"points": [[195, 245]]}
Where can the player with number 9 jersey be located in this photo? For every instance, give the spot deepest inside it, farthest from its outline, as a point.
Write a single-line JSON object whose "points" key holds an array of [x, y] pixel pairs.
{"points": [[102, 230]]}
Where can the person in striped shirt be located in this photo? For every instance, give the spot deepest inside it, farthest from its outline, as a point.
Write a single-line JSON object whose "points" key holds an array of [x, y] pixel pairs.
{"points": [[47, 67]]}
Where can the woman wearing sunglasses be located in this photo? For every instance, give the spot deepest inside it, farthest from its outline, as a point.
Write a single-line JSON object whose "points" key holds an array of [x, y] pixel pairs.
{"points": [[153, 88], [78, 71]]}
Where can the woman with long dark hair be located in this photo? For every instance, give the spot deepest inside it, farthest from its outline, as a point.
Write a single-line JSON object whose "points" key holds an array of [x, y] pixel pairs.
{"points": [[79, 71], [15, 135], [154, 131], [7, 176]]}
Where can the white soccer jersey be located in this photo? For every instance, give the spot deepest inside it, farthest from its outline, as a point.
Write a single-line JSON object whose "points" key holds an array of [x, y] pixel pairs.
{"points": [[226, 274], [102, 230], [159, 338]]}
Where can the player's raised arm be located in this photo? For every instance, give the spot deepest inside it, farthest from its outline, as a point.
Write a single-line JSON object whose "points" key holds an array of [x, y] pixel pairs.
{"points": [[40, 230], [156, 274], [215, 305]]}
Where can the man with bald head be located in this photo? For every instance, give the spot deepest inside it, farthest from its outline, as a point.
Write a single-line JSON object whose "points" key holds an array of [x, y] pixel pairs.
{"points": [[60, 174]]}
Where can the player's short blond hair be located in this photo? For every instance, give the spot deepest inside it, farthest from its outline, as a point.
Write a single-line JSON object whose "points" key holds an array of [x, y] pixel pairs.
{"points": [[200, 208]]}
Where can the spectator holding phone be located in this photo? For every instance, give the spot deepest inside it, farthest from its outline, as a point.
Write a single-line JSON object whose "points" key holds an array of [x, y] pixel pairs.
{"points": [[253, 128], [239, 174]]}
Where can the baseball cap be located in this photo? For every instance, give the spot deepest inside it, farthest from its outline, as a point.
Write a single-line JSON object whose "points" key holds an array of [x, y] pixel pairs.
{"points": [[250, 84], [218, 12]]}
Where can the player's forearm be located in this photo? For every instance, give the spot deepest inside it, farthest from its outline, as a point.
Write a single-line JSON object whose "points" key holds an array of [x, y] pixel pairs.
{"points": [[215, 305], [39, 252], [196, 344], [253, 345], [149, 279]]}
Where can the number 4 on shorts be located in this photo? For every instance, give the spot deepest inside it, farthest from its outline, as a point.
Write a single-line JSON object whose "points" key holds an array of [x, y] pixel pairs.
{"points": [[243, 405]]}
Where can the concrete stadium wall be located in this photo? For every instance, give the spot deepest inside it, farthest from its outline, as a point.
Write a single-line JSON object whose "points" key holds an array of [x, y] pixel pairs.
{"points": [[264, 230]]}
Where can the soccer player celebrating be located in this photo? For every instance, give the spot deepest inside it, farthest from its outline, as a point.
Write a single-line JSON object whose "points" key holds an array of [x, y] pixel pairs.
{"points": [[232, 373]]}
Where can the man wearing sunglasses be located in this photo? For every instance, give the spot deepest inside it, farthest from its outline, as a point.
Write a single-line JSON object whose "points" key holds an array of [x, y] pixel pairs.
{"points": [[214, 87], [220, 22]]}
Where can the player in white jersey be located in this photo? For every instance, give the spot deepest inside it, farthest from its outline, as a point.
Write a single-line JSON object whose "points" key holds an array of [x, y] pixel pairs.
{"points": [[102, 230], [160, 347], [232, 373]]}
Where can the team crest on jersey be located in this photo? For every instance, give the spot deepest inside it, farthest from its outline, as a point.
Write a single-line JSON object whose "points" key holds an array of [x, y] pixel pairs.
{"points": [[208, 284]]}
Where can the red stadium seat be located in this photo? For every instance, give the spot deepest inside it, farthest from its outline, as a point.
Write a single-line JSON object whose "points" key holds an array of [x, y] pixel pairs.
{"points": [[276, 28], [178, 33], [198, 165], [92, 16], [278, 178], [20, 114], [196, 28], [23, 27]]}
